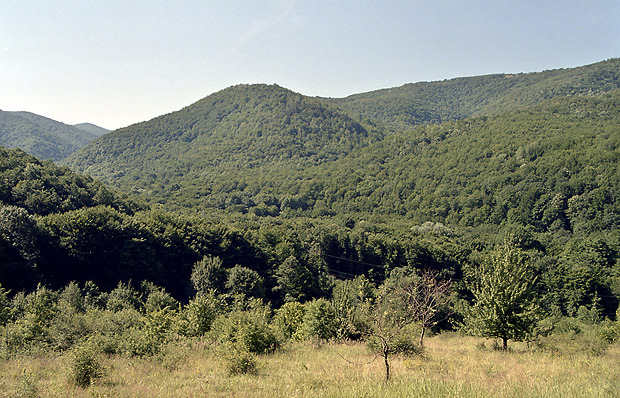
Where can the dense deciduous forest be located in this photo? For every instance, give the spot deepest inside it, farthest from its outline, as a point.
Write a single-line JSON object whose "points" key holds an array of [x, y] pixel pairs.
{"points": [[261, 212]]}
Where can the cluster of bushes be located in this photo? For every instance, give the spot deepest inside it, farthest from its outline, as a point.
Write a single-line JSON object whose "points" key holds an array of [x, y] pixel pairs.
{"points": [[144, 320], [140, 321]]}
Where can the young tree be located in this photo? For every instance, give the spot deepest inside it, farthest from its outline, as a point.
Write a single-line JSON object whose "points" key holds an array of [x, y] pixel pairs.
{"points": [[403, 303], [295, 281], [426, 295], [245, 282], [504, 304], [208, 274]]}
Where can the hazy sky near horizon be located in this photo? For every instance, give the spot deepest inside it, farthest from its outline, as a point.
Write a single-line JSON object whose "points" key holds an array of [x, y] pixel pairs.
{"points": [[118, 62]]}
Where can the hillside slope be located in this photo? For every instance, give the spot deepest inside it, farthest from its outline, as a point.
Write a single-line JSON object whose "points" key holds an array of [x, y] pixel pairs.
{"points": [[42, 187], [40, 136], [269, 151], [201, 150], [553, 166], [434, 102]]}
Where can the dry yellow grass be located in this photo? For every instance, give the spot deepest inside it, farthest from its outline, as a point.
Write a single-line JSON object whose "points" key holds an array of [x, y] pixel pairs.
{"points": [[452, 367]]}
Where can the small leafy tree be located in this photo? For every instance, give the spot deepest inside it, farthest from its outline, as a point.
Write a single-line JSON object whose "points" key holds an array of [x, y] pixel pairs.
{"points": [[319, 320], [208, 274], [124, 296], [390, 323], [295, 281], [504, 305], [289, 321], [201, 312], [247, 330], [245, 282]]}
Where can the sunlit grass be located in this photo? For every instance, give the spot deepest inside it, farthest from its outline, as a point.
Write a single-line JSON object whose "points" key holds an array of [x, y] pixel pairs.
{"points": [[453, 366]]}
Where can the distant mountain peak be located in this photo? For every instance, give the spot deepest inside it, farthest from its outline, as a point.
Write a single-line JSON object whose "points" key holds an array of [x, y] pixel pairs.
{"points": [[41, 136], [92, 129]]}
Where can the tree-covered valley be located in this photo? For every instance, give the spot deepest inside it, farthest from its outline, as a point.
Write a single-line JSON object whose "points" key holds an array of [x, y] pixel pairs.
{"points": [[258, 216]]}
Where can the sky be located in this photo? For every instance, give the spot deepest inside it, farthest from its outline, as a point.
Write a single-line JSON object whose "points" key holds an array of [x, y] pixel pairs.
{"points": [[118, 62]]}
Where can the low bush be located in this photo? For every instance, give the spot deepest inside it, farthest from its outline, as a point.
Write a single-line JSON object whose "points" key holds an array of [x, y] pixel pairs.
{"points": [[289, 320], [239, 360], [84, 366]]}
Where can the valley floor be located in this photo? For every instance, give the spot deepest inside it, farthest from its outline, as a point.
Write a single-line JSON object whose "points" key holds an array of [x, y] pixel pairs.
{"points": [[453, 366]]}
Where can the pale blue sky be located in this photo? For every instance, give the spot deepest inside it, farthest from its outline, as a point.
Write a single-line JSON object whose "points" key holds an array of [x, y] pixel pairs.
{"points": [[118, 62]]}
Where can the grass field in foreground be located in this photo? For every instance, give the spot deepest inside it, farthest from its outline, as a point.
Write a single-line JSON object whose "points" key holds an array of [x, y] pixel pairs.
{"points": [[453, 366]]}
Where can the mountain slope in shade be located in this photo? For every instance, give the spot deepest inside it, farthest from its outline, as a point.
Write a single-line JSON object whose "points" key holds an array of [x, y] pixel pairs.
{"points": [[40, 136]]}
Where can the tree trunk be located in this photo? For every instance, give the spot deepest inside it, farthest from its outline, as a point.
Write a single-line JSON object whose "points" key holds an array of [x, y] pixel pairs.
{"points": [[505, 343], [386, 353], [422, 337], [387, 366]]}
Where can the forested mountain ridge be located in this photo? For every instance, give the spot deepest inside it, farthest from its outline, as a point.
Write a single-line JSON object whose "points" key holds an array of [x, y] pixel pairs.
{"points": [[199, 151], [269, 151], [553, 166], [328, 198], [40, 136], [434, 102]]}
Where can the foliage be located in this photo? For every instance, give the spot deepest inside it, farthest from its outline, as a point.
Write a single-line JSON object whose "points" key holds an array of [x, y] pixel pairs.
{"points": [[319, 320], [289, 321], [257, 128], [5, 306], [504, 303], [435, 102], [239, 360], [208, 274], [201, 312], [244, 282], [43, 188], [124, 296], [85, 366], [535, 154], [247, 330], [401, 306]]}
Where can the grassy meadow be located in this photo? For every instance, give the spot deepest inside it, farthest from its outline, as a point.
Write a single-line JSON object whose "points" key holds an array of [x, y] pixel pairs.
{"points": [[452, 366]]}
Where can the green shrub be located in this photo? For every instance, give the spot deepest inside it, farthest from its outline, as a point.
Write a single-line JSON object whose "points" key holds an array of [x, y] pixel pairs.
{"points": [[247, 329], [124, 296], [320, 320], [67, 329], [157, 298], [201, 312], [289, 320], [27, 387], [108, 328], [84, 366], [239, 360], [135, 342], [609, 331], [585, 341], [71, 297], [403, 343], [5, 306]]}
